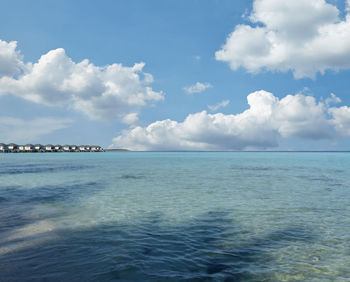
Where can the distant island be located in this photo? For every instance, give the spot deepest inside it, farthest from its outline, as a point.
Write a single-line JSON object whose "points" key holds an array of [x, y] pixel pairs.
{"points": [[49, 148]]}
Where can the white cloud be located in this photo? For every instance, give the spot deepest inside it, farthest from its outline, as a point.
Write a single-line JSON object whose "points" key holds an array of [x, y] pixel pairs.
{"points": [[131, 118], [332, 99], [302, 117], [217, 106], [29, 130], [341, 120], [303, 36], [267, 120], [197, 87], [262, 126], [109, 92], [10, 59]]}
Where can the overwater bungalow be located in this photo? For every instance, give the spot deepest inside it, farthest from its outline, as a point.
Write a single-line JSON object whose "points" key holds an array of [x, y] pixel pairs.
{"points": [[95, 148], [12, 147], [39, 147], [66, 148], [29, 147], [49, 148], [58, 148], [3, 147]]}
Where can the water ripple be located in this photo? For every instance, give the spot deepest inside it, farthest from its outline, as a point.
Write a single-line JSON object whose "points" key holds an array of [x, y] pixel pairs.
{"points": [[173, 217]]}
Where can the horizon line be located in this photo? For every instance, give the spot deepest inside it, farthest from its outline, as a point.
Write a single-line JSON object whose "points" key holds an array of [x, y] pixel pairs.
{"points": [[260, 151]]}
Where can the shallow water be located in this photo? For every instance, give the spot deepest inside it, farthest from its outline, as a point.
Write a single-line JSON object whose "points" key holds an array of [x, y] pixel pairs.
{"points": [[175, 216]]}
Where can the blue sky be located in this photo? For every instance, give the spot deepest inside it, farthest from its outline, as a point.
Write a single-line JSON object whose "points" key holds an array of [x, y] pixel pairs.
{"points": [[221, 51]]}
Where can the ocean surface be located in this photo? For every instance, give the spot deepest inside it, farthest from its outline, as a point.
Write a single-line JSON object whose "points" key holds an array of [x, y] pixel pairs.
{"points": [[151, 216]]}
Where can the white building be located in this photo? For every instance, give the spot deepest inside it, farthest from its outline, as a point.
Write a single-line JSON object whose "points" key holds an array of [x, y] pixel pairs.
{"points": [[28, 147], [58, 147], [95, 148], [3, 147], [67, 148], [38, 147], [12, 146], [49, 148]]}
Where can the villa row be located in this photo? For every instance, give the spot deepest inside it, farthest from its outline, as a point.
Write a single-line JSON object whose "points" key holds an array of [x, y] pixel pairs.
{"points": [[14, 148]]}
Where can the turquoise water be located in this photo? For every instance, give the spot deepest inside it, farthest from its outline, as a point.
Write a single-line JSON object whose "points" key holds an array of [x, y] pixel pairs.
{"points": [[175, 216]]}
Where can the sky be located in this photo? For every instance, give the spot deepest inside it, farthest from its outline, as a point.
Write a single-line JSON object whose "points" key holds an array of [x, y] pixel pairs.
{"points": [[211, 75]]}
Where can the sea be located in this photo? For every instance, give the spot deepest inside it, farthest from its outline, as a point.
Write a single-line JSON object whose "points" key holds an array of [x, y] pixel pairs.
{"points": [[175, 216]]}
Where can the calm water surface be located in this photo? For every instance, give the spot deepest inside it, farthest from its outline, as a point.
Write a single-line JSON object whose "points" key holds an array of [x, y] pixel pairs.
{"points": [[175, 216]]}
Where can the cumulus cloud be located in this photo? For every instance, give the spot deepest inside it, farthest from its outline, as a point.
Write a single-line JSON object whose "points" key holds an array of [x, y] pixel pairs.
{"points": [[130, 118], [267, 120], [220, 105], [10, 59], [341, 120], [303, 36], [102, 93], [197, 87], [29, 130]]}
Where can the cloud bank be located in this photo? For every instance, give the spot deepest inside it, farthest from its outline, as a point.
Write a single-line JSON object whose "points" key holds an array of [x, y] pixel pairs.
{"points": [[110, 92], [303, 36], [262, 126]]}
